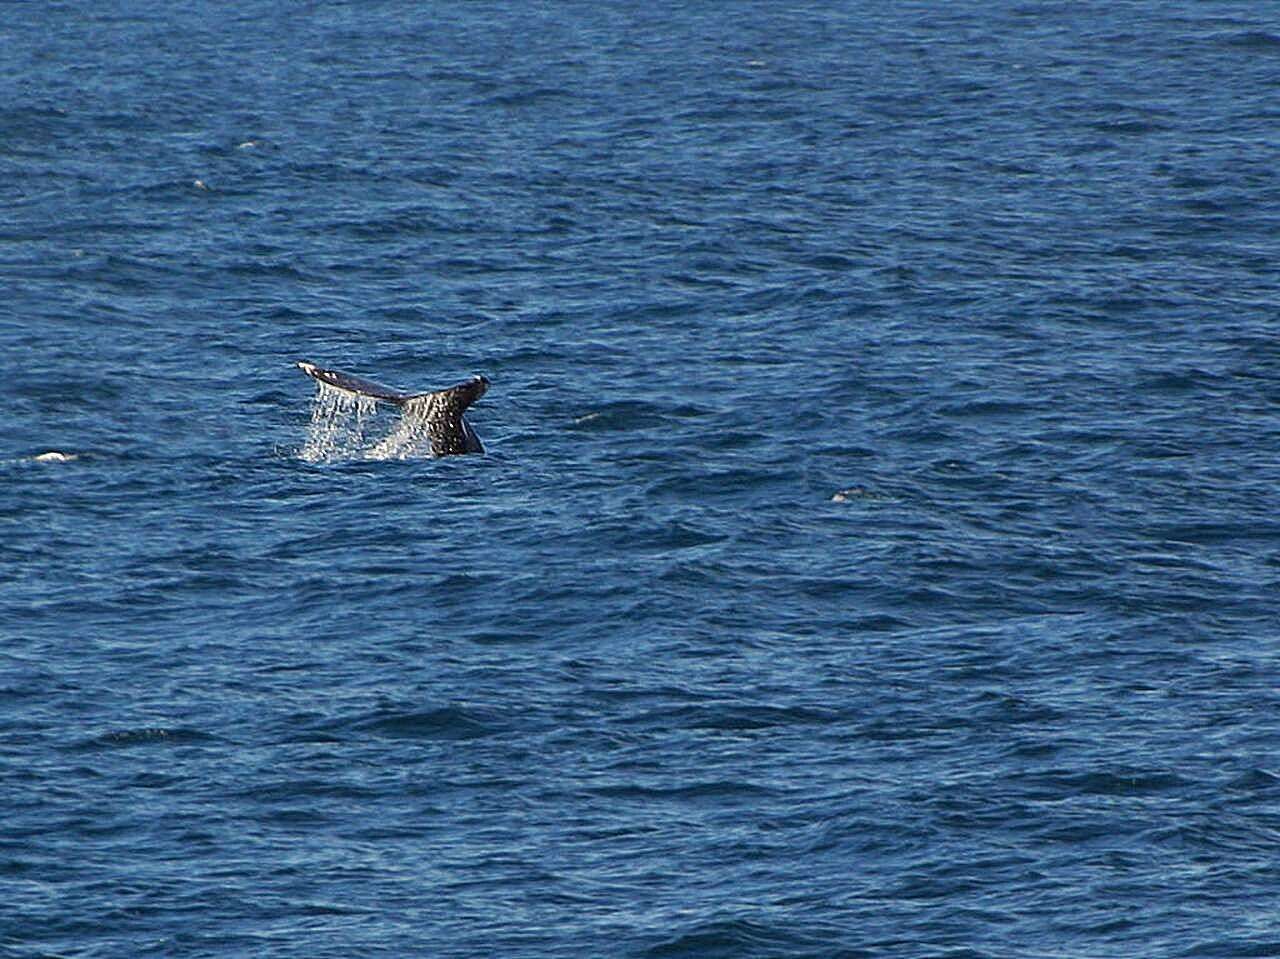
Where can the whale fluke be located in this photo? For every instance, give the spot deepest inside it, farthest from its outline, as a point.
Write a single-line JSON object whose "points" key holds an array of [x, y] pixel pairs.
{"points": [[437, 413]]}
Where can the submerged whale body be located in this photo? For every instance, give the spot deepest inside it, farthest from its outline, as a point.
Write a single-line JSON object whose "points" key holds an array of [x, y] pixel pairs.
{"points": [[439, 412]]}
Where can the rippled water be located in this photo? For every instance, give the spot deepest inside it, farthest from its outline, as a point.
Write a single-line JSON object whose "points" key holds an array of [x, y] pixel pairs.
{"points": [[876, 551]]}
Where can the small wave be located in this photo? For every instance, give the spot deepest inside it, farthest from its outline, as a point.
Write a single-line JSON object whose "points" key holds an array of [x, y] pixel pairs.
{"points": [[527, 98], [987, 408], [443, 723], [829, 263], [144, 736], [735, 937], [717, 789], [1255, 40], [734, 717], [854, 493], [633, 415], [1256, 781], [1129, 127], [1058, 785], [290, 789], [1004, 709]]}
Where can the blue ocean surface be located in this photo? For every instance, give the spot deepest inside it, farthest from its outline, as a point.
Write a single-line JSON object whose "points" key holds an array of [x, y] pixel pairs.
{"points": [[876, 549]]}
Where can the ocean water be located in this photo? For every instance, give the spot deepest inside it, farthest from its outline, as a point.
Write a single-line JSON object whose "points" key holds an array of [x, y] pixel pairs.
{"points": [[877, 545]]}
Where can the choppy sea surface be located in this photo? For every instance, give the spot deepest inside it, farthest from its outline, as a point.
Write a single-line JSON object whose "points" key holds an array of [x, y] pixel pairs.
{"points": [[877, 545]]}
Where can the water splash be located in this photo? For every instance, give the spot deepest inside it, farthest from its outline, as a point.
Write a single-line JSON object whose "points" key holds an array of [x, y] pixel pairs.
{"points": [[53, 456], [347, 426], [410, 437]]}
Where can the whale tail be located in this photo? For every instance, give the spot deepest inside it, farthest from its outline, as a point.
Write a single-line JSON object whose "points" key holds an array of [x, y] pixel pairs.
{"points": [[436, 414]]}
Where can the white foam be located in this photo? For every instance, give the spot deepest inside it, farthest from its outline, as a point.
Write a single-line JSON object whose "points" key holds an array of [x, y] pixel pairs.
{"points": [[52, 456]]}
